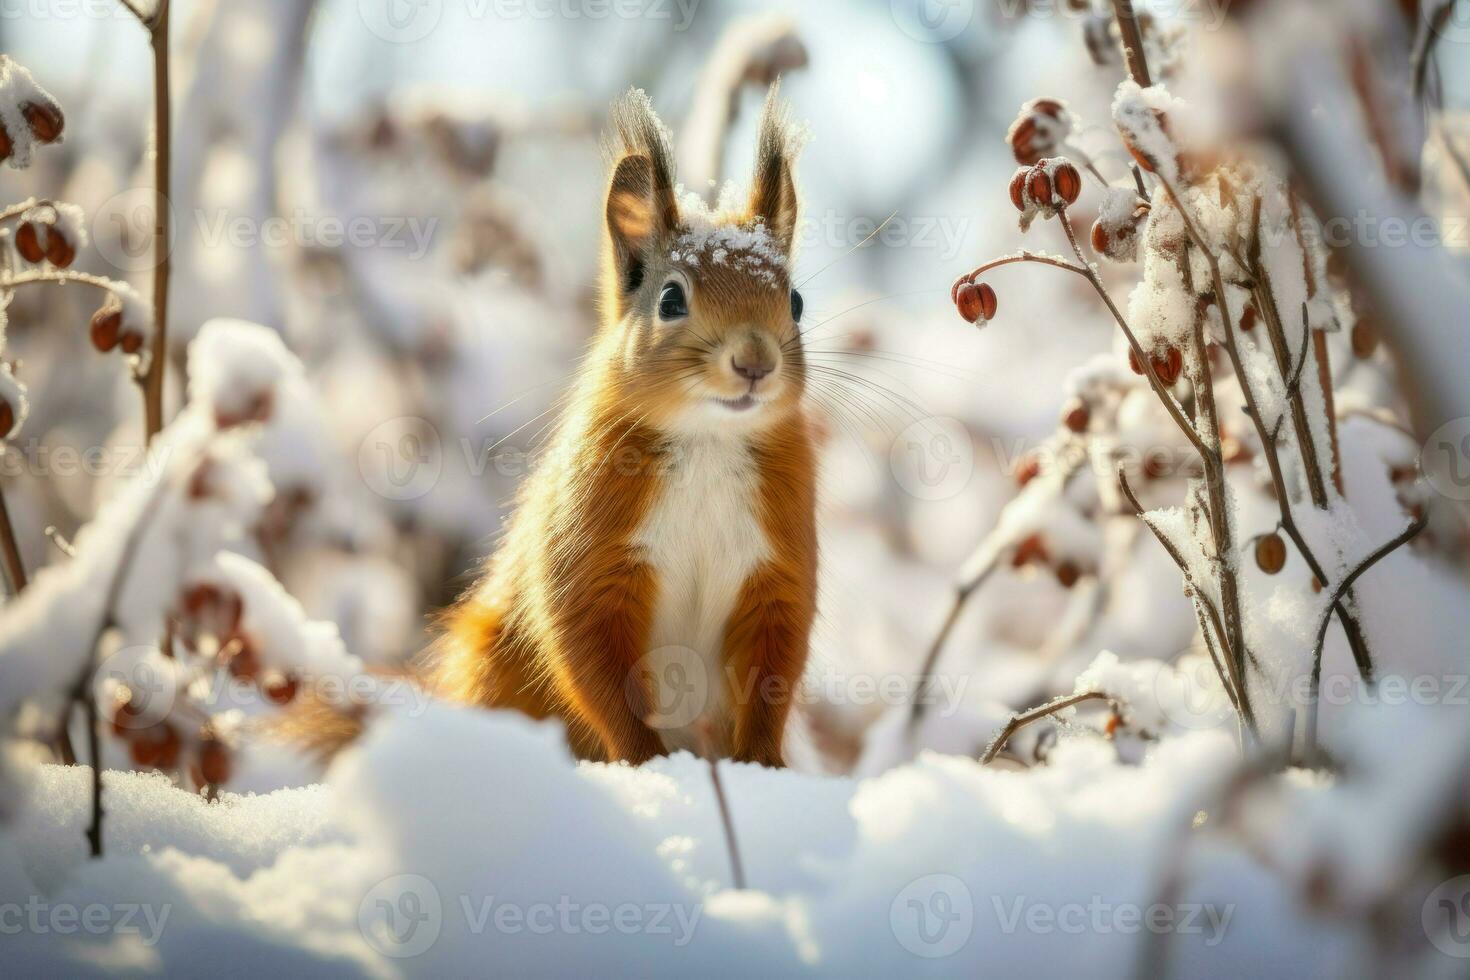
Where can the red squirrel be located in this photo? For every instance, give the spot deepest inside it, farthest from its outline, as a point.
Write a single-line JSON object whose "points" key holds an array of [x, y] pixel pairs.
{"points": [[657, 582]]}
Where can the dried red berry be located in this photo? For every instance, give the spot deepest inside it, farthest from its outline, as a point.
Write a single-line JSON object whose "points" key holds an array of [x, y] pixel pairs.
{"points": [[967, 301], [954, 291], [1028, 470], [1168, 366], [106, 325], [213, 766], [45, 120], [282, 688], [1270, 553], [1068, 182], [1022, 138], [1030, 549], [1038, 185], [987, 300], [60, 252], [1075, 415], [1134, 364], [131, 342], [1101, 244], [156, 746], [29, 242], [7, 419], [243, 661], [1248, 318], [6, 146], [1018, 188], [1067, 574]]}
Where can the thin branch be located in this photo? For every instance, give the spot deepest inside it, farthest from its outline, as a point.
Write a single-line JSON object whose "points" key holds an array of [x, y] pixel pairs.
{"points": [[961, 596], [1132, 37], [1022, 719], [1399, 540], [737, 866], [162, 247], [58, 276], [1233, 682], [14, 568]]}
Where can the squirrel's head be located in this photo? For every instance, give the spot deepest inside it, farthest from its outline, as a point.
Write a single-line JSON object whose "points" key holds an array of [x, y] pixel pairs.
{"points": [[701, 320]]}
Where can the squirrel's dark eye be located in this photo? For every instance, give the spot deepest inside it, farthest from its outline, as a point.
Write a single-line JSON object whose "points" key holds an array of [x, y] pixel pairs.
{"points": [[672, 303], [797, 305]]}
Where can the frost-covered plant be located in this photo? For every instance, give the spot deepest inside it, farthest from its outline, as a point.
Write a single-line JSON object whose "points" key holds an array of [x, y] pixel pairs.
{"points": [[160, 604], [1229, 334]]}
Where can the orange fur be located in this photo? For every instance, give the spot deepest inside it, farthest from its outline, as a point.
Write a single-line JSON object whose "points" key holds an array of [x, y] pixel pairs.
{"points": [[561, 623]]}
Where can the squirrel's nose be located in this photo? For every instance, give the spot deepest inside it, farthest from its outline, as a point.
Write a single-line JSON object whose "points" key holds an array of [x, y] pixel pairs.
{"points": [[753, 367]]}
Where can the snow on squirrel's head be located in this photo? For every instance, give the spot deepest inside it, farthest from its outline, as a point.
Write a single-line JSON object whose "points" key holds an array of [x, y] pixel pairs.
{"points": [[701, 321]]}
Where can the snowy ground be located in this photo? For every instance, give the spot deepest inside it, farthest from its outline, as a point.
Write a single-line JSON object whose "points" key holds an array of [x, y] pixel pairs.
{"points": [[505, 858]]}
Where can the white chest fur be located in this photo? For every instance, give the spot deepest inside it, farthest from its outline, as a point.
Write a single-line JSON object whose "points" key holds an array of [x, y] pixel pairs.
{"points": [[703, 538]]}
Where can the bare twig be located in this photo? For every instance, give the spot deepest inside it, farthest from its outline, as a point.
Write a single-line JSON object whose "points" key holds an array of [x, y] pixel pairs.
{"points": [[1399, 540], [158, 29], [1205, 609], [737, 867], [1022, 719], [1132, 37], [14, 568], [58, 276]]}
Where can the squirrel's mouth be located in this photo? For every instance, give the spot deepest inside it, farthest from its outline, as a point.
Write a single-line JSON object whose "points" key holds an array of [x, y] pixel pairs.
{"points": [[742, 404]]}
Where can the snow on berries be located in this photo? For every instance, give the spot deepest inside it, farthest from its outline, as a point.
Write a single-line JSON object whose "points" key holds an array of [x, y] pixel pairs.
{"points": [[1039, 131], [1044, 189], [28, 115], [51, 232], [1120, 220], [123, 322]]}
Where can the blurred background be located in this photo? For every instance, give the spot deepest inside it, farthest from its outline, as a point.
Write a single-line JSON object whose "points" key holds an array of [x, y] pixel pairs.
{"points": [[410, 192]]}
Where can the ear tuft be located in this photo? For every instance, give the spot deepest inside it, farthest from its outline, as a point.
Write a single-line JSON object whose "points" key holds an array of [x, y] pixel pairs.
{"points": [[641, 208], [773, 190]]}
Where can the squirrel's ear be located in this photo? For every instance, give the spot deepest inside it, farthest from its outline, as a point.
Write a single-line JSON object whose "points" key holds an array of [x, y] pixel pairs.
{"points": [[642, 213], [773, 190], [640, 216]]}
